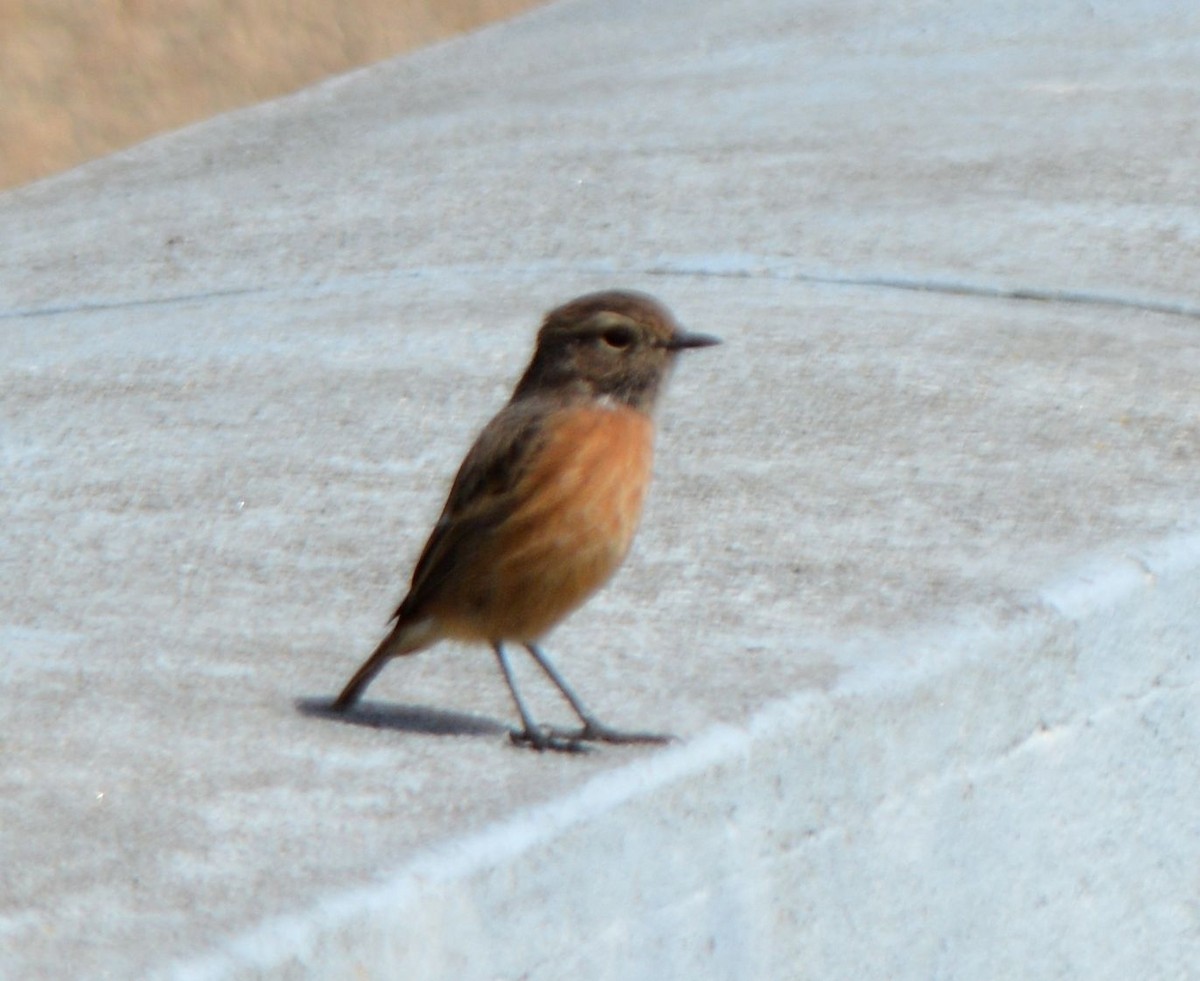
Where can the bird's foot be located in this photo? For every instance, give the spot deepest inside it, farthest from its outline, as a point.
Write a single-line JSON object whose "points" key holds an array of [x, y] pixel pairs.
{"points": [[598, 732], [544, 738], [576, 740]]}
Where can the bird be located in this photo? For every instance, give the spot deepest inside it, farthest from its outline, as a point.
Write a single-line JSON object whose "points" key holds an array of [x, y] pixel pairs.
{"points": [[545, 505]]}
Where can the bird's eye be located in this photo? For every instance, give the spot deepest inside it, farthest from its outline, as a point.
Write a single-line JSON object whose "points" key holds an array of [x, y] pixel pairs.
{"points": [[618, 337]]}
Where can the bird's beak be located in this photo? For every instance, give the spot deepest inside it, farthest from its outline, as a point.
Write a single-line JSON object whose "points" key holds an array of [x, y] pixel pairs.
{"points": [[684, 339]]}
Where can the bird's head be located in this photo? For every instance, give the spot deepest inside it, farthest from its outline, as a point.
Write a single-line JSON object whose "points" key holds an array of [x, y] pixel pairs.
{"points": [[618, 344]]}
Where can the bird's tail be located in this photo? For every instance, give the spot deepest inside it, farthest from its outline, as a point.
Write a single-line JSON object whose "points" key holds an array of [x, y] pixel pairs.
{"points": [[405, 638]]}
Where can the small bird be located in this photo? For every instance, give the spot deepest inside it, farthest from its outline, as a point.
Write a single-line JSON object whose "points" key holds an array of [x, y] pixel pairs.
{"points": [[546, 503]]}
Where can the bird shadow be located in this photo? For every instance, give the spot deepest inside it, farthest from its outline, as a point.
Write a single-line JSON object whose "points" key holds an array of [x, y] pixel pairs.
{"points": [[403, 718]]}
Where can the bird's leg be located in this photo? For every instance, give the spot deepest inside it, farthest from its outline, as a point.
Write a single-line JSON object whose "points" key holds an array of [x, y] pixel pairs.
{"points": [[532, 735], [362, 677], [593, 729]]}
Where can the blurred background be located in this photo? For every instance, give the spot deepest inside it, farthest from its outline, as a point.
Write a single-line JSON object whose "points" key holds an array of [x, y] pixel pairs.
{"points": [[82, 78]]}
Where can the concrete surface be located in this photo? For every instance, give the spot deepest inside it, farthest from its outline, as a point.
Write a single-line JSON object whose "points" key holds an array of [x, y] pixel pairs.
{"points": [[918, 582]]}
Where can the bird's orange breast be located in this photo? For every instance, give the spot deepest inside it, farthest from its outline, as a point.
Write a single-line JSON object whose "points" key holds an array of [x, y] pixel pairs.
{"points": [[572, 519]]}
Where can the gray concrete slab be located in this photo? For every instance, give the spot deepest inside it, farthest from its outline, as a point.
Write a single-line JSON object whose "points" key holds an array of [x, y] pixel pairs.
{"points": [[916, 584]]}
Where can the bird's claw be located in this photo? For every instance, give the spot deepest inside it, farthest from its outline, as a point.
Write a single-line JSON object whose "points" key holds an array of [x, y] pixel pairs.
{"points": [[576, 740], [597, 732], [544, 738]]}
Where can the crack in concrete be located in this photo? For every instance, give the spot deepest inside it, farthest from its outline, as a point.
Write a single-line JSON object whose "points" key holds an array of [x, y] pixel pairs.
{"points": [[716, 270], [948, 287]]}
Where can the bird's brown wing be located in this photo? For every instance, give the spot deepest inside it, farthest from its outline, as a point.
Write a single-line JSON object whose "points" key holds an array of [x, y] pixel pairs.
{"points": [[480, 494]]}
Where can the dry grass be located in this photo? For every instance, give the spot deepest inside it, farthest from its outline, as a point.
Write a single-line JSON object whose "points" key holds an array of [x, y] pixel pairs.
{"points": [[82, 78]]}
